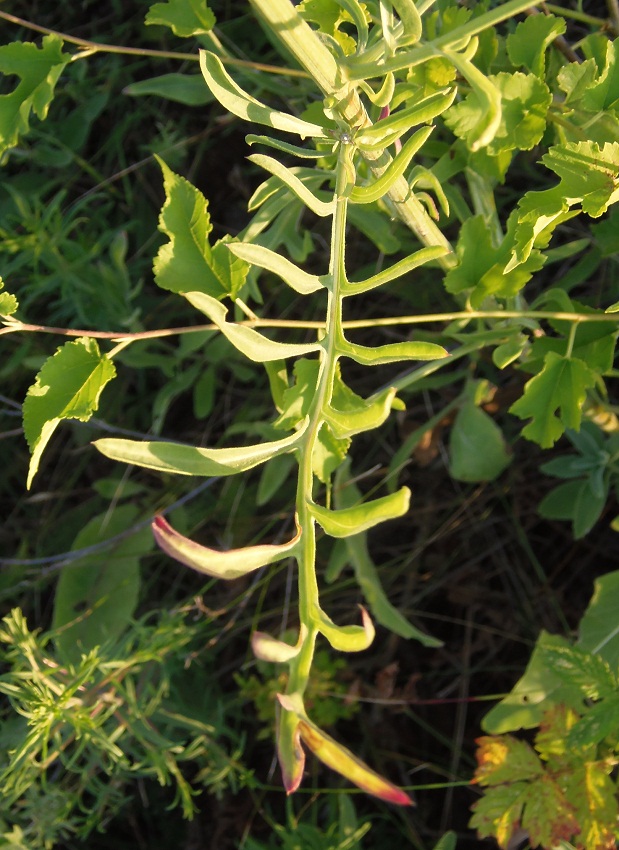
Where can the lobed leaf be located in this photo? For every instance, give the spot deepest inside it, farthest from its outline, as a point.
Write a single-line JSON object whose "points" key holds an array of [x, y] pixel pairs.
{"points": [[184, 17], [231, 564], [38, 70], [8, 302]]}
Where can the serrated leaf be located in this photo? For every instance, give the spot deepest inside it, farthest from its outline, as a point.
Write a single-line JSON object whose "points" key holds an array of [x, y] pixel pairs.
{"points": [[189, 89], [339, 759], [187, 263], [477, 118], [249, 342], [38, 70], [527, 45], [97, 594], [191, 460], [348, 521], [599, 722], [539, 687], [594, 793], [559, 388], [503, 758], [8, 302], [584, 670], [243, 105], [477, 448], [68, 386], [184, 17], [227, 565], [498, 813]]}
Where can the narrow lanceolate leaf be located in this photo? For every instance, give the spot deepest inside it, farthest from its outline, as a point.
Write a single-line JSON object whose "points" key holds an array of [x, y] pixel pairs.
{"points": [[320, 208], [299, 280], [375, 191], [249, 342], [191, 460], [290, 753], [424, 255], [184, 17], [348, 638], [227, 565], [187, 262], [268, 648], [294, 150], [347, 521], [67, 387], [243, 105], [411, 22], [386, 132], [392, 353], [341, 760], [38, 70]]}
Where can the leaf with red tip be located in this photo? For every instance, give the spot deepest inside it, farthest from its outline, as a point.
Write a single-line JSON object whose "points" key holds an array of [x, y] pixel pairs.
{"points": [[226, 565]]}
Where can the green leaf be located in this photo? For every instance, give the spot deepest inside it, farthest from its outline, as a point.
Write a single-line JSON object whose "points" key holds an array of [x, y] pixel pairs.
{"points": [[361, 415], [243, 105], [184, 17], [297, 399], [299, 280], [598, 632], [187, 262], [477, 448], [560, 387], [67, 387], [249, 342], [8, 302], [191, 460], [328, 453], [392, 353], [379, 187], [535, 691], [527, 45], [97, 594], [388, 130], [189, 89], [588, 672], [503, 759], [348, 521], [347, 494], [297, 186], [402, 267], [330, 16], [224, 565], [477, 118], [38, 70], [348, 638]]}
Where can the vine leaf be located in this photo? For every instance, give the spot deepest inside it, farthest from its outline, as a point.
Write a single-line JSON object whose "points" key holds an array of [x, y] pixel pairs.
{"points": [[184, 17], [560, 387], [97, 595], [225, 565], [191, 460], [67, 387], [8, 302], [526, 46], [589, 176], [187, 262], [38, 70]]}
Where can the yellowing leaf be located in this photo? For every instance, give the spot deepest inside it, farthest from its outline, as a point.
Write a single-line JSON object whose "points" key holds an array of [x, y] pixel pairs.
{"points": [[8, 302], [226, 565], [67, 387]]}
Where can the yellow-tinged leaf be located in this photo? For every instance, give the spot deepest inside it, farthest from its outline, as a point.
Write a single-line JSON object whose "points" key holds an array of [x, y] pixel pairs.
{"points": [[226, 565], [268, 648], [290, 753], [348, 638]]}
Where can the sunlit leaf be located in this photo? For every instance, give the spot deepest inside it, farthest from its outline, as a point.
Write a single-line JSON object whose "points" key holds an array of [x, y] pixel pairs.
{"points": [[347, 521], [348, 638], [184, 17], [67, 387]]}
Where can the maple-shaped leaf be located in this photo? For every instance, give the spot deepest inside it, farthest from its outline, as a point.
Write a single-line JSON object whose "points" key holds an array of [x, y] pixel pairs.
{"points": [[38, 70], [593, 792], [67, 387], [551, 740], [560, 388], [184, 17], [330, 16], [549, 816], [188, 263], [589, 177], [527, 45], [498, 813], [504, 758]]}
